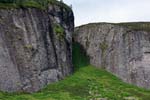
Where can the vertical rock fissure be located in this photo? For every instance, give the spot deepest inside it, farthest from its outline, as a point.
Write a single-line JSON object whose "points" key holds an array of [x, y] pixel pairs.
{"points": [[52, 41]]}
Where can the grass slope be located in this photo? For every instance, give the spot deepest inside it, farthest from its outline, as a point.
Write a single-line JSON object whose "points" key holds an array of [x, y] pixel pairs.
{"points": [[85, 80]]}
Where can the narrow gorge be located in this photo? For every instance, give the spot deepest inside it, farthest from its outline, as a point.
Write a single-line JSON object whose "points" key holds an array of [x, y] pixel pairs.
{"points": [[43, 57]]}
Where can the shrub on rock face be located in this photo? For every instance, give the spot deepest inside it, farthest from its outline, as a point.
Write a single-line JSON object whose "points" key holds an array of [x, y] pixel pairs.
{"points": [[59, 31]]}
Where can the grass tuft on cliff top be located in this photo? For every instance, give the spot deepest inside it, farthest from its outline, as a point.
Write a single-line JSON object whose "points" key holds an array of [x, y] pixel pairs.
{"points": [[82, 83], [40, 4], [136, 26]]}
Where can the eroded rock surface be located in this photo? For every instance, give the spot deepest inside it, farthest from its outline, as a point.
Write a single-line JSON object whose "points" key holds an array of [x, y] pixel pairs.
{"points": [[35, 47], [122, 51]]}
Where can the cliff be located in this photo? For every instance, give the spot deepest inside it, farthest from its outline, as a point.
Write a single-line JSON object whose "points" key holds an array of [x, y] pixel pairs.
{"points": [[35, 46], [121, 50]]}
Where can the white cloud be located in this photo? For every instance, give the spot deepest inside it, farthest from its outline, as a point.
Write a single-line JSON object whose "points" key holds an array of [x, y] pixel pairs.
{"points": [[87, 11]]}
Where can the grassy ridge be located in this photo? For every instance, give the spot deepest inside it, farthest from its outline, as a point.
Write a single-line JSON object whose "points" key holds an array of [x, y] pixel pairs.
{"points": [[137, 26], [85, 80], [40, 4]]}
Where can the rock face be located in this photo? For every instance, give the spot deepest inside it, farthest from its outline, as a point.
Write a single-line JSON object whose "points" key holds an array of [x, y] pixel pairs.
{"points": [[35, 47], [121, 51]]}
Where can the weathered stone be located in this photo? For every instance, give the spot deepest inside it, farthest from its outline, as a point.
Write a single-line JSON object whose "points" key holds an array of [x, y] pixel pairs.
{"points": [[31, 54], [119, 50]]}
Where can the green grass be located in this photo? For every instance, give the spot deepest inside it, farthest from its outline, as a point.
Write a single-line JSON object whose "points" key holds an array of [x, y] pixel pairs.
{"points": [[32, 4], [59, 30], [77, 86], [137, 26], [7, 6], [43, 4]]}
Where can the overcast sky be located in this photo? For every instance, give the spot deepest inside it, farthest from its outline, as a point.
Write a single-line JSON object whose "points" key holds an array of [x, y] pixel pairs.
{"points": [[88, 11]]}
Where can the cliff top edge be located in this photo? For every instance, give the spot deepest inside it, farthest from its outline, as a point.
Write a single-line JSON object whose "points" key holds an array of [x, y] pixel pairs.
{"points": [[40, 4]]}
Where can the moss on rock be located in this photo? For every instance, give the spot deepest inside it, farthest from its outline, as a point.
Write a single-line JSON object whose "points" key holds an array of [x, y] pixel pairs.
{"points": [[59, 30]]}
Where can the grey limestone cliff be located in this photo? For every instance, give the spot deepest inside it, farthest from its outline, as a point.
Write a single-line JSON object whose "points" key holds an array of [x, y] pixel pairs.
{"points": [[35, 47], [118, 49]]}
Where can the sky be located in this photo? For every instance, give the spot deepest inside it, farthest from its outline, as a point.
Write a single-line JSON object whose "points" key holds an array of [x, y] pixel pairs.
{"points": [[89, 11]]}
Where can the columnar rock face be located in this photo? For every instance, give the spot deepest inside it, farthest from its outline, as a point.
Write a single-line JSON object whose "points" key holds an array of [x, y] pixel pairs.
{"points": [[121, 51], [35, 47]]}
